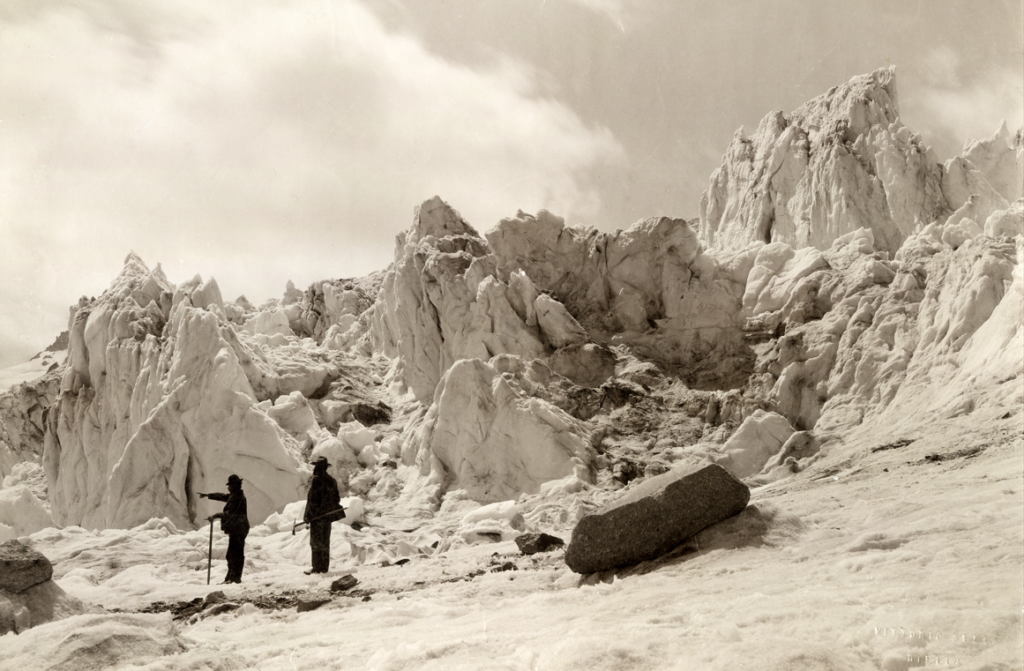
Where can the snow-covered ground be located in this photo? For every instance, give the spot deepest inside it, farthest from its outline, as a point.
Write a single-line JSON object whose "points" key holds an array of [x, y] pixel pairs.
{"points": [[893, 558]]}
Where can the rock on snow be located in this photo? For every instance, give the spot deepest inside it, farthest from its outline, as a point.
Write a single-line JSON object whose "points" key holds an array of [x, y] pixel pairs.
{"points": [[22, 567], [654, 517], [28, 596]]}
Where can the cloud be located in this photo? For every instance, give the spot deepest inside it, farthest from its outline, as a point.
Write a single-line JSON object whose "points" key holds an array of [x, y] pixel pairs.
{"points": [[953, 101], [254, 143]]}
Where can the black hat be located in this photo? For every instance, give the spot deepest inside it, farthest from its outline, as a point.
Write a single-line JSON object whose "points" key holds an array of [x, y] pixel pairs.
{"points": [[320, 459], [234, 479]]}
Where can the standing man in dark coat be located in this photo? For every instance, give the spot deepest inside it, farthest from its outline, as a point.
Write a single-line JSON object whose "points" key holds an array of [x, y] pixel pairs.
{"points": [[234, 521], [323, 506]]}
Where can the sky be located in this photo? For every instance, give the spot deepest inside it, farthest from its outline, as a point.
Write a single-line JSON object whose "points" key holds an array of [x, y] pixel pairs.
{"points": [[262, 141]]}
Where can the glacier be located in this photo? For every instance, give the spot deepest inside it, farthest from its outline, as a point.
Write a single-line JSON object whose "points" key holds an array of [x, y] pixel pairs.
{"points": [[840, 289]]}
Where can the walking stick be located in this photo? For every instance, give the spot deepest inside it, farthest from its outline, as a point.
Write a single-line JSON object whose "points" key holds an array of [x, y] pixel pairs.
{"points": [[209, 557]]}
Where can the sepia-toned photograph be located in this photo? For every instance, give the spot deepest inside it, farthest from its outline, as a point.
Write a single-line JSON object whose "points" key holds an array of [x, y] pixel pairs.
{"points": [[521, 335]]}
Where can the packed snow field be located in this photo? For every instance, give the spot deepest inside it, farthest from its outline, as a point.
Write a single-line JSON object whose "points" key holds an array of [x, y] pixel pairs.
{"points": [[842, 331], [881, 561]]}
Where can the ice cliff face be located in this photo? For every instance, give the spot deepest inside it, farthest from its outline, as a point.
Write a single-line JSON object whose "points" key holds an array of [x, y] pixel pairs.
{"points": [[845, 161], [440, 302], [480, 411], [866, 340], [650, 288], [23, 420], [840, 276], [154, 407], [1000, 160]]}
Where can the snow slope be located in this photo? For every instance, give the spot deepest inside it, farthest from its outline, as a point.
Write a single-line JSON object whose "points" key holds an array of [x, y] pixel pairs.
{"points": [[875, 560]]}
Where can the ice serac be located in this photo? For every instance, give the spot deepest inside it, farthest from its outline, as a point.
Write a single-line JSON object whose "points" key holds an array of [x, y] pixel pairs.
{"points": [[155, 407], [441, 302], [1000, 160], [654, 517], [758, 439], [1006, 223], [969, 194], [650, 288], [21, 511], [651, 263], [331, 309], [484, 436], [841, 162], [878, 266], [871, 339]]}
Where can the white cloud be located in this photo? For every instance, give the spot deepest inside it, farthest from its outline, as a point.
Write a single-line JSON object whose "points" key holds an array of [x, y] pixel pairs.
{"points": [[951, 102], [255, 143]]}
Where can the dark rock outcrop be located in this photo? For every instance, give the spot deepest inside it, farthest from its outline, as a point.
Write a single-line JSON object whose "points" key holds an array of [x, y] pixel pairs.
{"points": [[370, 415], [533, 543], [654, 517], [22, 567], [310, 603], [343, 583]]}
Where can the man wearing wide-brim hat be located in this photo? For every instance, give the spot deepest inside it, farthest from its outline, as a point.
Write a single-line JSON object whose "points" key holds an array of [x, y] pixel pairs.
{"points": [[234, 521], [323, 506]]}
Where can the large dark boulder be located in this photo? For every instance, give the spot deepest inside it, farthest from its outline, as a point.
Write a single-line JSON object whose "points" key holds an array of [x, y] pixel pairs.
{"points": [[655, 517], [22, 567]]}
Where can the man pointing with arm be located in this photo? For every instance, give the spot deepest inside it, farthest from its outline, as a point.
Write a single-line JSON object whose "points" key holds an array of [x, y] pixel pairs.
{"points": [[234, 521]]}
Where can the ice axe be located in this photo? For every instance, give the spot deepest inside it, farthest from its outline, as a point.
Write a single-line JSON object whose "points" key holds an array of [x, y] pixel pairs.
{"points": [[209, 555], [319, 517]]}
